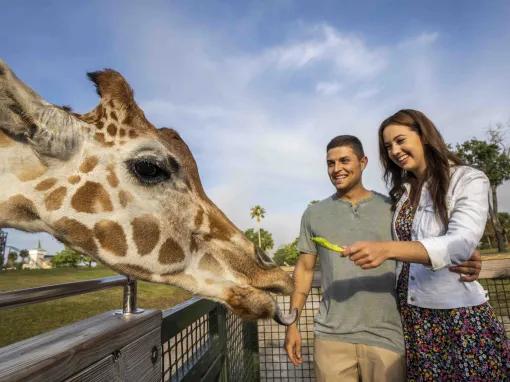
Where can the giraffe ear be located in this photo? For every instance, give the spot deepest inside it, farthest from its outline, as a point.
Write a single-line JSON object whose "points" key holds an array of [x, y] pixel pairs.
{"points": [[25, 116], [111, 86]]}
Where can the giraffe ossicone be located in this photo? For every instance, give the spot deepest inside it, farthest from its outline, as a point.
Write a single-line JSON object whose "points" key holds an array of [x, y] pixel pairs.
{"points": [[109, 184]]}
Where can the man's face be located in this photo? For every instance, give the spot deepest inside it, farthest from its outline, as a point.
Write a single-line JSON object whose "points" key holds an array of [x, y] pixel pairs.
{"points": [[345, 168]]}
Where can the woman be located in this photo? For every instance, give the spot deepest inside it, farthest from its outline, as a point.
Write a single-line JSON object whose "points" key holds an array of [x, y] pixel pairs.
{"points": [[440, 209]]}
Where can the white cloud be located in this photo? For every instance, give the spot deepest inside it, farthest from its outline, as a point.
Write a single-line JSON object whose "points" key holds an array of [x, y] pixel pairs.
{"points": [[422, 39], [348, 54], [328, 88]]}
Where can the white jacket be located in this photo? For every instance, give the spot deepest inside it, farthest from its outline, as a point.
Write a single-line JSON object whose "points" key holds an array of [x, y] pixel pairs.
{"points": [[467, 201]]}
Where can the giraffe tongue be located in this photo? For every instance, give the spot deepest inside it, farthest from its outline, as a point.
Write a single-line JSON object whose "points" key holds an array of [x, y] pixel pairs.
{"points": [[285, 319]]}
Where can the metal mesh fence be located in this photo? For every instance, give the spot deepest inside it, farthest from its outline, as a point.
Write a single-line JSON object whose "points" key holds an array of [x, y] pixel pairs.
{"points": [[201, 340], [274, 363], [182, 351], [242, 359], [499, 298]]}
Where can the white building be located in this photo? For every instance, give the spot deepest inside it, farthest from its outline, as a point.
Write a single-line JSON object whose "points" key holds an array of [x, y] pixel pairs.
{"points": [[38, 258]]}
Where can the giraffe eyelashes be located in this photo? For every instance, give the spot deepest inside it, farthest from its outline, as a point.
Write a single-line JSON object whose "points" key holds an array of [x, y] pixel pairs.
{"points": [[148, 170]]}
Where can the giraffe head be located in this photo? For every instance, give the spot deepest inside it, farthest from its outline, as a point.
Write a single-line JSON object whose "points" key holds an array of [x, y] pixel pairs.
{"points": [[109, 184]]}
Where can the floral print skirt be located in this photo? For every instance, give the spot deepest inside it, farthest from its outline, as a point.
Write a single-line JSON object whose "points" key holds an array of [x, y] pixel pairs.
{"points": [[462, 344]]}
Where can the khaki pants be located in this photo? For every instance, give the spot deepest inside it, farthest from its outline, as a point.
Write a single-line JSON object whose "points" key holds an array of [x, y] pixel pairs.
{"points": [[345, 362]]}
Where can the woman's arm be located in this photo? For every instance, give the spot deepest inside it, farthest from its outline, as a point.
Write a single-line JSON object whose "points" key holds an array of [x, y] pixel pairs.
{"points": [[465, 228], [371, 254], [465, 225]]}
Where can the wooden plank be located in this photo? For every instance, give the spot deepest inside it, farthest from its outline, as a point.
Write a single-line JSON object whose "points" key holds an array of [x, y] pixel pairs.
{"points": [[104, 370], [61, 353], [495, 268], [136, 359]]}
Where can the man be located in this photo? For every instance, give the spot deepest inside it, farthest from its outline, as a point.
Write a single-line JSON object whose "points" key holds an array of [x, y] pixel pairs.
{"points": [[358, 334]]}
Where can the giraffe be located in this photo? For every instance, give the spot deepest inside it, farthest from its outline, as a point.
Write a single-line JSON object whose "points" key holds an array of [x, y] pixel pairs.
{"points": [[109, 184]]}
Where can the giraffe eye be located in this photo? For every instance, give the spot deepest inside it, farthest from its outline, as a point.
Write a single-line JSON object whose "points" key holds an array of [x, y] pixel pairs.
{"points": [[148, 171]]}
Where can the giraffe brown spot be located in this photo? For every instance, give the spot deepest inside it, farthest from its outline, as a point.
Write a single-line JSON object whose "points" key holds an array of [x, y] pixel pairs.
{"points": [[170, 252], [53, 201], [99, 124], [145, 233], [209, 263], [99, 111], [111, 237], [133, 134], [110, 103], [89, 164], [112, 177], [135, 271], [91, 198], [74, 233], [5, 140], [122, 132], [220, 227], [193, 245], [112, 129], [199, 218], [128, 119], [99, 137], [17, 209], [46, 184], [113, 116], [73, 179], [124, 198]]}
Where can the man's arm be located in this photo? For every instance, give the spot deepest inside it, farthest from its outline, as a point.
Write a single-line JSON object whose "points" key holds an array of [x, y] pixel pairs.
{"points": [[303, 277]]}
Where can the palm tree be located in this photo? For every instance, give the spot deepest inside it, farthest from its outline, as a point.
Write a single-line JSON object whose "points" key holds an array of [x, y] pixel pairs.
{"points": [[257, 212]]}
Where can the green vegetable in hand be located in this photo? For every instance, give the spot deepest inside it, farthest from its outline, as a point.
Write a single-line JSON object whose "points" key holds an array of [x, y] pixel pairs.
{"points": [[323, 242]]}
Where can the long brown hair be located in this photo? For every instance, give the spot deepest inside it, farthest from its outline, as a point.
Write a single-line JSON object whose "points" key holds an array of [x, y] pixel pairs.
{"points": [[437, 158]]}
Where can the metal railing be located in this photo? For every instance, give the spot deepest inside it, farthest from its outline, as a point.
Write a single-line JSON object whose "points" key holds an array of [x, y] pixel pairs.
{"points": [[22, 297]]}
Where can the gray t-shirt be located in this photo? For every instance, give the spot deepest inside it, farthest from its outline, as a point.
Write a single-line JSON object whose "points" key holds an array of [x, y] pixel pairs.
{"points": [[358, 306]]}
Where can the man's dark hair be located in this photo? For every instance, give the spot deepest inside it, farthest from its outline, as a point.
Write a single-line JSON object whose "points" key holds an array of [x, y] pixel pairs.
{"points": [[347, 140]]}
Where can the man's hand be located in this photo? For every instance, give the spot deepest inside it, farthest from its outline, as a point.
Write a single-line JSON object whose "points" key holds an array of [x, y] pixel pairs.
{"points": [[293, 345], [469, 270], [366, 254]]}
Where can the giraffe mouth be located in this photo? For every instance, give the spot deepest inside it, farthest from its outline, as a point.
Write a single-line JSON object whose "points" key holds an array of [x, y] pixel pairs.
{"points": [[285, 319]]}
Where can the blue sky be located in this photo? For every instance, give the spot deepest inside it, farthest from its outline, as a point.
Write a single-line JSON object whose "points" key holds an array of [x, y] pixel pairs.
{"points": [[257, 88]]}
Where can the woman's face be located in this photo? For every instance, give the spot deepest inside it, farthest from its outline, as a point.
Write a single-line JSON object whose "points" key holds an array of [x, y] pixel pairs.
{"points": [[405, 148]]}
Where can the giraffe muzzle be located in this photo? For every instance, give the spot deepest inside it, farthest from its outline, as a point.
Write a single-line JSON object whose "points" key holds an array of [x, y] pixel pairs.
{"points": [[285, 319]]}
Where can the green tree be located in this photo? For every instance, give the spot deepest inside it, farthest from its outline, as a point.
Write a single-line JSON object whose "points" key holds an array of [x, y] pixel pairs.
{"points": [[66, 258], [23, 254], [489, 236], [86, 259], [266, 238], [1, 261], [11, 259], [493, 159], [287, 254], [257, 212]]}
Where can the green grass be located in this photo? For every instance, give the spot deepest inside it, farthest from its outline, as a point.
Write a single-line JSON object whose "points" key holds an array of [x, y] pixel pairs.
{"points": [[27, 321]]}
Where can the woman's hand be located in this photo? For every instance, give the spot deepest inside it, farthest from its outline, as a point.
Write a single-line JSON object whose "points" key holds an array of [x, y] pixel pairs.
{"points": [[470, 269], [367, 254]]}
